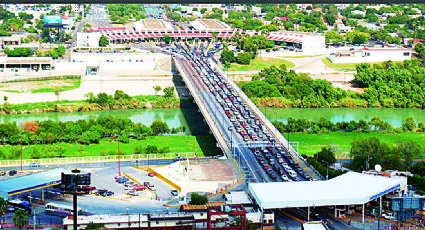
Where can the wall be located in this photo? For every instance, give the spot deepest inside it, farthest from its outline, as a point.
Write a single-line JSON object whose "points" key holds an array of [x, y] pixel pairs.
{"points": [[88, 39], [313, 43], [375, 56]]}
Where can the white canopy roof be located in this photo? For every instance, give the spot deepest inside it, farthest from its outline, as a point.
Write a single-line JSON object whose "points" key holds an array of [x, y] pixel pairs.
{"points": [[347, 189]]}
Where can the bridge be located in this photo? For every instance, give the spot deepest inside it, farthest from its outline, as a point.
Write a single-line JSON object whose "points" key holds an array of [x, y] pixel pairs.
{"points": [[230, 141]]}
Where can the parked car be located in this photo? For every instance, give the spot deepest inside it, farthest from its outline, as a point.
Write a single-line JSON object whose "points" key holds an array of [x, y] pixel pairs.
{"points": [[174, 192], [138, 187], [35, 165], [151, 174], [12, 172], [179, 158], [2, 173]]}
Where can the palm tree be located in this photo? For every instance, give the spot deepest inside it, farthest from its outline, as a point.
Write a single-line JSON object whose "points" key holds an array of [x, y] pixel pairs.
{"points": [[20, 218], [3, 206]]}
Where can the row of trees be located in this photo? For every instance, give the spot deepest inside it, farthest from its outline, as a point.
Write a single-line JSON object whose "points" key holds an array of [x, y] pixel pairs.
{"points": [[388, 85], [82, 131], [249, 45], [324, 125]]}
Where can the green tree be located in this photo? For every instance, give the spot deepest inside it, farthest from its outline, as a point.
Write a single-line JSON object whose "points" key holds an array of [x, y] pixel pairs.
{"points": [[357, 37], [159, 126], [157, 88], [61, 50], [94, 226], [333, 37], [103, 41], [20, 218], [326, 154], [167, 39], [228, 56], [3, 206], [409, 124], [169, 91], [409, 150], [244, 58], [197, 199], [418, 168]]}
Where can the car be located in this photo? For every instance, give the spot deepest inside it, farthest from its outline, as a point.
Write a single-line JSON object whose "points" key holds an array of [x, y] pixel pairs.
{"points": [[151, 174], [2, 173], [12, 172], [179, 158], [90, 188], [128, 188], [174, 192], [139, 187], [132, 193], [35, 165], [218, 156]]}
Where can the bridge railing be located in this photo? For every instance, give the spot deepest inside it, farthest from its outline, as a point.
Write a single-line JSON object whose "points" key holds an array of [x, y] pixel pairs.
{"points": [[207, 116], [91, 159]]}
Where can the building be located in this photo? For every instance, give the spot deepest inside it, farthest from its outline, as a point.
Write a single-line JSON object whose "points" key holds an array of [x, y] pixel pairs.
{"points": [[371, 55], [88, 39], [303, 41]]}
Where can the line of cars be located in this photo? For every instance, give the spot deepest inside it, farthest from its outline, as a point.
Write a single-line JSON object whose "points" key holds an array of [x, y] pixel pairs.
{"points": [[243, 119]]}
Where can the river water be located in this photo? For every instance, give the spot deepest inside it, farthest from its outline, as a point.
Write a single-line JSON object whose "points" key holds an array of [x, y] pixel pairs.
{"points": [[192, 119]]}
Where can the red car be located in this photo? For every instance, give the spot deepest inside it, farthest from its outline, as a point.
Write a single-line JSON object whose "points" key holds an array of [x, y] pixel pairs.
{"points": [[90, 188], [138, 187]]}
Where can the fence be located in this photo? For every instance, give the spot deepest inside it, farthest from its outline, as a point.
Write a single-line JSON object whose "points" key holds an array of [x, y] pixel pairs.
{"points": [[89, 159]]}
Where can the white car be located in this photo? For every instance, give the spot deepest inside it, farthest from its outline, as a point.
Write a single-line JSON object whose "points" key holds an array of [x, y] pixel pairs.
{"points": [[152, 187], [388, 216], [128, 187]]}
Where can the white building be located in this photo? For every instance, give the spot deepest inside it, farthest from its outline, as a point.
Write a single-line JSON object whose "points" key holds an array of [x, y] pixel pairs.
{"points": [[305, 41], [88, 39], [372, 55]]}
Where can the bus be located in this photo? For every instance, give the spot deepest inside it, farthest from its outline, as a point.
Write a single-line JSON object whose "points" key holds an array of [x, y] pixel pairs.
{"points": [[60, 210], [13, 205]]}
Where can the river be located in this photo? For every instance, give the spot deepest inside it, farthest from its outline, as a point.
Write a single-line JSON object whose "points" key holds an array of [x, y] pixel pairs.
{"points": [[191, 118], [394, 116]]}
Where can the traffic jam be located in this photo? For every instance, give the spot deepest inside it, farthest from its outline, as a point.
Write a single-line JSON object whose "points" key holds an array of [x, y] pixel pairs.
{"points": [[273, 159]]}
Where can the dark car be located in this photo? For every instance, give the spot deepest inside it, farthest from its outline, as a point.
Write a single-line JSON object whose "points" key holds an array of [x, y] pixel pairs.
{"points": [[2, 173], [179, 158], [174, 192], [12, 172]]}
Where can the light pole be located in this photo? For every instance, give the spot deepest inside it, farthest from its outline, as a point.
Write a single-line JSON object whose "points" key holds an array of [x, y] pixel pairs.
{"points": [[21, 151], [275, 123], [147, 149], [231, 140], [119, 171], [327, 169]]}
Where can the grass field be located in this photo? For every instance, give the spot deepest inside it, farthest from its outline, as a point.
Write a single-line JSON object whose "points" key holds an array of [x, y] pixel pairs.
{"points": [[69, 84], [203, 146], [260, 63], [348, 66], [342, 140]]}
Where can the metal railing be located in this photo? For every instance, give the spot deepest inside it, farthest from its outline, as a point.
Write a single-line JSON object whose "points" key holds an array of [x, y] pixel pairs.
{"points": [[90, 159]]}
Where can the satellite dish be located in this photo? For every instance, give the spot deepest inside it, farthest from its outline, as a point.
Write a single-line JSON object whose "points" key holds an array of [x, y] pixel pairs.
{"points": [[378, 168]]}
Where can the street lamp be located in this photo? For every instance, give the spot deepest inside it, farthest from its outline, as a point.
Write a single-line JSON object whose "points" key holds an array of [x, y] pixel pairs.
{"points": [[119, 171], [21, 151], [147, 149], [275, 123], [327, 169], [231, 140]]}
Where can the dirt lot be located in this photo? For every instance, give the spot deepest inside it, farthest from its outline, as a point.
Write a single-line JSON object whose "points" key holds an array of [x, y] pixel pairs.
{"points": [[212, 170], [154, 24], [30, 86], [212, 24]]}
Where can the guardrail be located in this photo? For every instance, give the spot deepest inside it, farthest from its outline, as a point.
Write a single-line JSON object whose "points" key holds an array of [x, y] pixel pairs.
{"points": [[91, 159]]}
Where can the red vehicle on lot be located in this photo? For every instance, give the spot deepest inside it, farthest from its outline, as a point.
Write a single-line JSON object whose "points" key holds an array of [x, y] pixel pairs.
{"points": [[90, 188], [138, 187]]}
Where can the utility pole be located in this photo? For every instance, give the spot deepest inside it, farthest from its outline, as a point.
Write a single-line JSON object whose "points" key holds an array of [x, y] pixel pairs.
{"points": [[21, 151], [119, 171]]}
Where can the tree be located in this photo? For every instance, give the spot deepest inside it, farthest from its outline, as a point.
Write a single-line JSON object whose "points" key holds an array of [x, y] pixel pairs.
{"points": [[333, 37], [31, 126], [228, 56], [5, 98], [167, 39], [20, 218], [157, 88], [61, 50], [326, 154], [169, 91], [119, 94], [367, 152], [196, 199], [94, 226], [159, 126], [409, 150], [57, 91], [203, 10], [103, 41], [357, 37], [244, 58], [409, 124], [418, 168], [3, 206]]}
